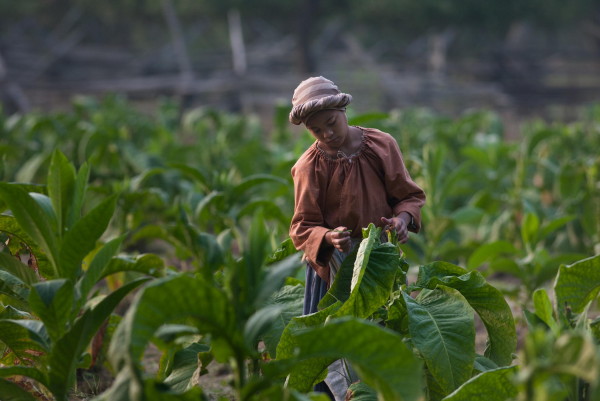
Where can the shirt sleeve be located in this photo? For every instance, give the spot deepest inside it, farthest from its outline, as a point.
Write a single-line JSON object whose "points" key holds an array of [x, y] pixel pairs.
{"points": [[307, 229], [404, 195]]}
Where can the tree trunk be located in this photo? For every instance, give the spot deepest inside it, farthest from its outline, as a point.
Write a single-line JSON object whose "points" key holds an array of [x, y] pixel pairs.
{"points": [[308, 14], [438, 53], [236, 37], [183, 59]]}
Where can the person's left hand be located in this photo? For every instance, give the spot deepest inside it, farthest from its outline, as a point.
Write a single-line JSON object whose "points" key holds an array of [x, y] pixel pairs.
{"points": [[399, 225]]}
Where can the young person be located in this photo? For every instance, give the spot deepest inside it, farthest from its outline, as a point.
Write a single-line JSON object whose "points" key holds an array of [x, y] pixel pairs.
{"points": [[348, 178]]}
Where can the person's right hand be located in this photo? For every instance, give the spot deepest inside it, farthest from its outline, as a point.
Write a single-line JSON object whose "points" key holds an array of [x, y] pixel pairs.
{"points": [[339, 238]]}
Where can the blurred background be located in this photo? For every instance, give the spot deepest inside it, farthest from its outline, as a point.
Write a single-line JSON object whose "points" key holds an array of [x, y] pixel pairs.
{"points": [[520, 58]]}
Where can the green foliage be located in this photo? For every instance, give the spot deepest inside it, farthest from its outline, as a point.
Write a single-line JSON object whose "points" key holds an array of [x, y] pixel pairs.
{"points": [[500, 207], [442, 328], [440, 320], [12, 392], [559, 360], [486, 300], [373, 285], [55, 323], [289, 304], [232, 310], [578, 284], [379, 356], [87, 185], [494, 385], [361, 392]]}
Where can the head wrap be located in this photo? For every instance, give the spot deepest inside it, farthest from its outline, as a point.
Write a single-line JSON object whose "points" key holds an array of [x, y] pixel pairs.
{"points": [[316, 94]]}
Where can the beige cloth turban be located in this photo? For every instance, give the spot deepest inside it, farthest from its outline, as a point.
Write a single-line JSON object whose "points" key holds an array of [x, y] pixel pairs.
{"points": [[316, 94]]}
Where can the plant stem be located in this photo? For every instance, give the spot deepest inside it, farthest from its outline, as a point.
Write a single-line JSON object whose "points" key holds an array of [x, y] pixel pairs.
{"points": [[240, 370]]}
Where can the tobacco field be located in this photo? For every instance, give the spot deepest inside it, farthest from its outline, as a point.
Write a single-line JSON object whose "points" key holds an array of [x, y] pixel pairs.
{"points": [[126, 234]]}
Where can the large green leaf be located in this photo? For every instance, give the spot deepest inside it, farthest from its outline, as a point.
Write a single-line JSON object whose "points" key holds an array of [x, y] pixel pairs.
{"points": [[291, 300], [271, 209], [53, 302], [553, 366], [493, 385], [544, 310], [18, 236], [24, 336], [46, 206], [488, 252], [433, 390], [210, 250], [285, 249], [246, 277], [373, 272], [438, 269], [575, 353], [12, 392], [530, 229], [66, 352], [185, 364], [397, 314], [170, 332], [12, 265], [14, 288], [374, 285], [10, 312], [148, 263], [256, 251], [554, 225], [33, 220], [81, 182], [340, 288], [203, 205], [488, 302], [483, 364], [442, 327], [61, 185], [363, 254], [171, 299], [193, 173], [252, 181], [259, 322], [82, 237], [275, 276], [94, 272], [378, 355], [27, 371], [29, 168], [313, 370], [359, 391], [578, 284]]}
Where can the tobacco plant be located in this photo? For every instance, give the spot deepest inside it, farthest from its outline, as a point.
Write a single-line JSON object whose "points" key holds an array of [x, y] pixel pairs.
{"points": [[50, 310], [220, 312], [560, 356], [438, 324]]}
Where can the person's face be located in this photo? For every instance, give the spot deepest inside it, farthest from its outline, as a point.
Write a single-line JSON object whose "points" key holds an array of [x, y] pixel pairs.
{"points": [[330, 127]]}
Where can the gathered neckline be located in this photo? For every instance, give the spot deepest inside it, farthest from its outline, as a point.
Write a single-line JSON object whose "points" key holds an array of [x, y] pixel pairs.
{"points": [[341, 155]]}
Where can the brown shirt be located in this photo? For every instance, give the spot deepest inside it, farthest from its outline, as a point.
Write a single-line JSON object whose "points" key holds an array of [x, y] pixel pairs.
{"points": [[351, 192]]}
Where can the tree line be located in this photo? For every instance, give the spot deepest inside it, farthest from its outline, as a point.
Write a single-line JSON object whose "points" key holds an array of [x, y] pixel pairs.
{"points": [[383, 23]]}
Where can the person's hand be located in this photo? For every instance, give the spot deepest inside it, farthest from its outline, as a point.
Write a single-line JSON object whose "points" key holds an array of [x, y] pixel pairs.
{"points": [[399, 224], [339, 238]]}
